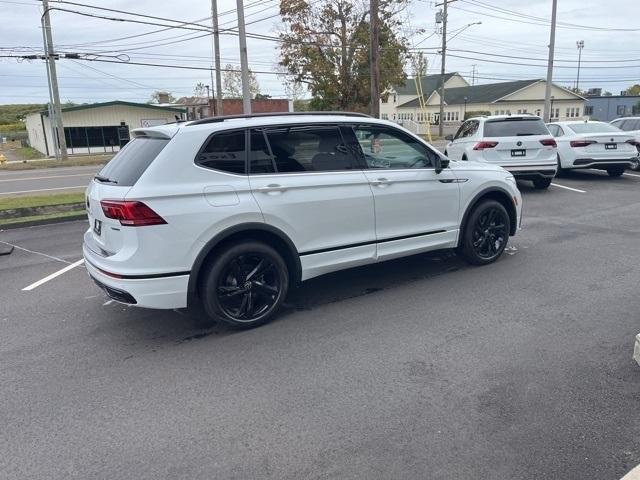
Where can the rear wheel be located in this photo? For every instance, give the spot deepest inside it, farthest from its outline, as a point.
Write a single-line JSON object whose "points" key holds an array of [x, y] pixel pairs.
{"points": [[541, 183], [486, 233], [635, 165], [615, 171], [245, 285]]}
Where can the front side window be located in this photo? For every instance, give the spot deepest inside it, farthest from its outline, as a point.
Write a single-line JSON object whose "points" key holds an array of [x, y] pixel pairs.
{"points": [[386, 148], [224, 151]]}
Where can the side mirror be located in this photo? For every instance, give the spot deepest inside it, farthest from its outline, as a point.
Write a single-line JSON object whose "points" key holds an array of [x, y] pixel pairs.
{"points": [[440, 163], [449, 137]]}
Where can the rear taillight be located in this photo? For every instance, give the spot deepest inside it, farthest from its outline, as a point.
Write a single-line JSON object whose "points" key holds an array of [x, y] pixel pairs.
{"points": [[482, 145], [548, 142], [131, 214], [581, 143], [633, 142]]}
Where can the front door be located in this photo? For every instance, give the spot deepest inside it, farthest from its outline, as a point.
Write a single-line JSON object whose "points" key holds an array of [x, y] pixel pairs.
{"points": [[310, 186], [416, 208]]}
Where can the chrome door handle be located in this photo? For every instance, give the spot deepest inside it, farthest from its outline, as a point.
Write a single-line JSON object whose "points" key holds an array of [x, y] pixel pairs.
{"points": [[380, 182], [272, 188]]}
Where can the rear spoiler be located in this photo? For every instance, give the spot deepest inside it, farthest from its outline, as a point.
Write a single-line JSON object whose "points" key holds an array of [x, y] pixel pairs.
{"points": [[165, 131]]}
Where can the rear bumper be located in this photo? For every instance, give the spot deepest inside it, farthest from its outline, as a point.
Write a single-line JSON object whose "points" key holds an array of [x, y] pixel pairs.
{"points": [[533, 171], [597, 163], [156, 291]]}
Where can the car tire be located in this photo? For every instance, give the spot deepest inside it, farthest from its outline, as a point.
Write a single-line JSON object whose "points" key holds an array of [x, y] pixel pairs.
{"points": [[635, 165], [541, 183], [486, 233], [464, 157], [244, 285], [615, 171]]}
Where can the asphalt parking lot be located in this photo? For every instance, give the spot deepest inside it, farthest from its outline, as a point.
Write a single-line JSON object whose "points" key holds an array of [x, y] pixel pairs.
{"points": [[418, 368]]}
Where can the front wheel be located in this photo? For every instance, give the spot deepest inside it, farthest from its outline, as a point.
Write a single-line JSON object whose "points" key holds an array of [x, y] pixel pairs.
{"points": [[486, 233], [615, 171], [541, 183], [245, 285]]}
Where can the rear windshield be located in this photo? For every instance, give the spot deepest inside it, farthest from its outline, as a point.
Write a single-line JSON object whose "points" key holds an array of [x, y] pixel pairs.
{"points": [[130, 163], [515, 127], [593, 127]]}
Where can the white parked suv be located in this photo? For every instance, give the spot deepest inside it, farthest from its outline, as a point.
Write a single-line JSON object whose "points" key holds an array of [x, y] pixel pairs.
{"points": [[224, 215], [519, 143], [585, 144]]}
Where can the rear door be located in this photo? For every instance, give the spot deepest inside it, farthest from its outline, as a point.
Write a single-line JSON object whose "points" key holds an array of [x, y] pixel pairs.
{"points": [[416, 208], [517, 141], [309, 185], [112, 183]]}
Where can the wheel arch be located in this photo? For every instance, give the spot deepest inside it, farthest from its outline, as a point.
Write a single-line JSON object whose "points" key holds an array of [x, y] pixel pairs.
{"points": [[247, 231], [492, 193]]}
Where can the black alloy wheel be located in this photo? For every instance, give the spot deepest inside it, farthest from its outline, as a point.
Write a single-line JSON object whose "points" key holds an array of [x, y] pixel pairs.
{"points": [[486, 233], [246, 285]]}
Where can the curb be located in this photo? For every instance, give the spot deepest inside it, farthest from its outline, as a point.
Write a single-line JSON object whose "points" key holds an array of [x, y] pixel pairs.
{"points": [[44, 221]]}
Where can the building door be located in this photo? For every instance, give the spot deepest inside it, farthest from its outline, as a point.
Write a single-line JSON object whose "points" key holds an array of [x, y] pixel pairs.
{"points": [[123, 135]]}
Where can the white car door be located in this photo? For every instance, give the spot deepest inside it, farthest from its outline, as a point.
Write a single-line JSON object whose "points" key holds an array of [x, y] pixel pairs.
{"points": [[416, 208], [309, 186]]}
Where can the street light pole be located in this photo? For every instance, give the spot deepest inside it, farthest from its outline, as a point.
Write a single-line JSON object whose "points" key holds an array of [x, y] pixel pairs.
{"points": [[216, 55], [580, 45], [244, 61]]}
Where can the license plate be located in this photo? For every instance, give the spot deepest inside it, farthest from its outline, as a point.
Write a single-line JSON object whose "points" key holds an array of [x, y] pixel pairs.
{"points": [[97, 227], [518, 153], [610, 146]]}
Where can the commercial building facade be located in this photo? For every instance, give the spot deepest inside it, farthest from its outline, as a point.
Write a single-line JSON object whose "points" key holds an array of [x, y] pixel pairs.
{"points": [[609, 107]]}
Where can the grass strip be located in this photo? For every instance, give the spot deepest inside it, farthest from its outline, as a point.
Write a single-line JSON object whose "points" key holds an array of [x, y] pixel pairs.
{"points": [[10, 203], [35, 218], [71, 162]]}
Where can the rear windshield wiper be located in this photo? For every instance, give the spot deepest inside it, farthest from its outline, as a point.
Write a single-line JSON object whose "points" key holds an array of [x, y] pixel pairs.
{"points": [[102, 179], [525, 134]]}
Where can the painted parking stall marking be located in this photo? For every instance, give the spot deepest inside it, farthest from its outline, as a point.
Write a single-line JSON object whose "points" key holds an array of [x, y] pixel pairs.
{"points": [[53, 275], [569, 188], [631, 175]]}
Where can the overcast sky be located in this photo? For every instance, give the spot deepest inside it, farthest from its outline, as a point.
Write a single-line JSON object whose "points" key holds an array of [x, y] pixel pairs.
{"points": [[610, 59]]}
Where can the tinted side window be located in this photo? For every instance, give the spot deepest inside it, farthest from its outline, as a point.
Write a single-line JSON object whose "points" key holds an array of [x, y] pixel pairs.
{"points": [[134, 158], [514, 127], [313, 148], [260, 158], [224, 151], [461, 131], [392, 149]]}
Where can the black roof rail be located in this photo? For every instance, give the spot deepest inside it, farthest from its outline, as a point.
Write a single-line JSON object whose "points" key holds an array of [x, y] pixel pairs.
{"points": [[273, 114]]}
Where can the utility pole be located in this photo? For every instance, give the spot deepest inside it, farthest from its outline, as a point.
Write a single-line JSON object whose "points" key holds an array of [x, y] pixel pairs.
{"points": [[374, 58], [473, 73], [216, 55], [580, 45], [244, 61], [58, 128], [552, 45], [442, 67]]}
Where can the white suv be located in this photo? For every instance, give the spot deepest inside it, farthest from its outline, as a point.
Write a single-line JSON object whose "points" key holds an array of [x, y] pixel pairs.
{"points": [[519, 143], [226, 214]]}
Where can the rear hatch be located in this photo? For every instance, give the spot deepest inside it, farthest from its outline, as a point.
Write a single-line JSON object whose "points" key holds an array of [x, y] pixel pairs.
{"points": [[517, 140], [113, 183]]}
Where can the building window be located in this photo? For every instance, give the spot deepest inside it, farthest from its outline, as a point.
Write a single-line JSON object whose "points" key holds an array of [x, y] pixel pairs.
{"points": [[496, 112], [538, 112], [557, 113], [457, 116], [577, 111], [395, 98], [635, 110], [385, 116], [588, 110], [519, 111], [524, 110], [620, 109]]}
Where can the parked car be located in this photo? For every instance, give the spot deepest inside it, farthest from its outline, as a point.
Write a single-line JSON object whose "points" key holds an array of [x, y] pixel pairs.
{"points": [[224, 215], [631, 125], [586, 144], [519, 143]]}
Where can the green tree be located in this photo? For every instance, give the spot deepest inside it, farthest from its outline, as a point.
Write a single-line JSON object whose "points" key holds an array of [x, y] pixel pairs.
{"points": [[232, 83], [634, 89], [325, 45]]}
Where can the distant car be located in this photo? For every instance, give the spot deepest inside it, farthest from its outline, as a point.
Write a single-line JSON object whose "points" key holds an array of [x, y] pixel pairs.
{"points": [[585, 144], [520, 144], [225, 214], [631, 125]]}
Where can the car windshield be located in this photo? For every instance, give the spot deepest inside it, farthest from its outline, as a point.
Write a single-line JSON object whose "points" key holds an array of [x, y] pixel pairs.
{"points": [[515, 127], [593, 127]]}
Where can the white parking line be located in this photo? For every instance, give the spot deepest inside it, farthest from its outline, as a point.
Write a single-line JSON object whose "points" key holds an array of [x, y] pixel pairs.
{"points": [[631, 174], [88, 174], [569, 188], [53, 275], [44, 189]]}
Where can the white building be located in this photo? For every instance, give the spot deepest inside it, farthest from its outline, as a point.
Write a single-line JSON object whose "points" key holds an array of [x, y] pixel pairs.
{"points": [[98, 127], [403, 105]]}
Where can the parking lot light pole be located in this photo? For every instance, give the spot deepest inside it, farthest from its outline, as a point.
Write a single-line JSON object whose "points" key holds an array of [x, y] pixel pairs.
{"points": [[580, 45], [552, 45]]}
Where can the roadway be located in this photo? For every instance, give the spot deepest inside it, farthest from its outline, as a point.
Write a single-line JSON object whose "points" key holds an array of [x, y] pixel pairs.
{"points": [[46, 180]]}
